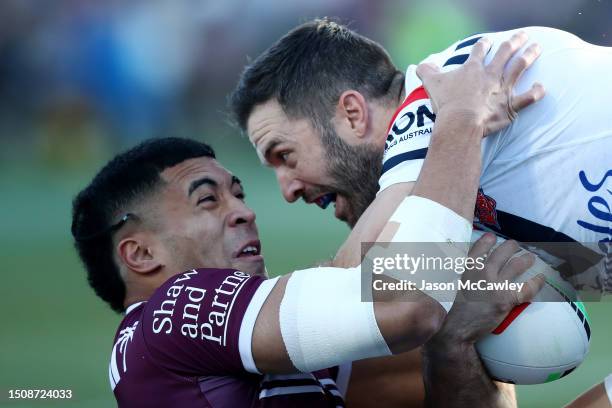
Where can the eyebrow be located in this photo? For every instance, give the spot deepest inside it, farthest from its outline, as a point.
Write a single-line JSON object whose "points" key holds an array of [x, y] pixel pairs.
{"points": [[208, 181], [268, 147], [199, 182]]}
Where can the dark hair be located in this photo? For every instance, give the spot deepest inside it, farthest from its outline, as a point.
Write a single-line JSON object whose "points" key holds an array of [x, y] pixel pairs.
{"points": [[308, 69], [125, 179]]}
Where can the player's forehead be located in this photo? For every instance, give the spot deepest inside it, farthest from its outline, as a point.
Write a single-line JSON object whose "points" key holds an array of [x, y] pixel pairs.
{"points": [[268, 126], [187, 175]]}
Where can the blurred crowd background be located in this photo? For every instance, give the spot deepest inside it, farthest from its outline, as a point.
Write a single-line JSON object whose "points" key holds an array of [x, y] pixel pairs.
{"points": [[81, 80]]}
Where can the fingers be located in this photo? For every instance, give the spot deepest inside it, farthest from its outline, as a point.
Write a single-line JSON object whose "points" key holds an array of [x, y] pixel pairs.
{"points": [[533, 95], [506, 50], [425, 70], [517, 266], [480, 50], [482, 246], [530, 289], [522, 63], [426, 73], [500, 256]]}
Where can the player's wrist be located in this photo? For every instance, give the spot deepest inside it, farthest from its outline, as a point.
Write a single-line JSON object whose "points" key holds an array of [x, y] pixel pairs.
{"points": [[453, 337], [448, 346], [462, 118]]}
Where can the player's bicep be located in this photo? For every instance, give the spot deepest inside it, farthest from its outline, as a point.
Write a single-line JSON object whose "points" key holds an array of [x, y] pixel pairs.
{"points": [[269, 352], [201, 322], [316, 318]]}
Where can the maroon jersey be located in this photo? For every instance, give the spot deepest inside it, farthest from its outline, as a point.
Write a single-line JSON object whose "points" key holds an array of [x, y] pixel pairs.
{"points": [[190, 346]]}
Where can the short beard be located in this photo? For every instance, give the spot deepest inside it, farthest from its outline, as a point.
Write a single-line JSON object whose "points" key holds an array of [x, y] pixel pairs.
{"points": [[355, 171]]}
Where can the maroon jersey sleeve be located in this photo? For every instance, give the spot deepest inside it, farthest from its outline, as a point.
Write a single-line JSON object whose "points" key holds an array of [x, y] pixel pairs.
{"points": [[200, 322]]}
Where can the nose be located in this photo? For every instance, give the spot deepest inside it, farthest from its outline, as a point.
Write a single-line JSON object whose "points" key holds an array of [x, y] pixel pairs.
{"points": [[241, 214], [291, 188]]}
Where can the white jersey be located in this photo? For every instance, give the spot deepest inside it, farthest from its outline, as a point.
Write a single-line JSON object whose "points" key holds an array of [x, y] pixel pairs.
{"points": [[548, 176]]}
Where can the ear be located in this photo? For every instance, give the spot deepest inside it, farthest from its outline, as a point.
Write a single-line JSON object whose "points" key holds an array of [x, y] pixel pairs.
{"points": [[138, 255], [352, 113]]}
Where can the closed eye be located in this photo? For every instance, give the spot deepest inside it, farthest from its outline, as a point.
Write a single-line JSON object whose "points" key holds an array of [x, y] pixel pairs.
{"points": [[208, 198]]}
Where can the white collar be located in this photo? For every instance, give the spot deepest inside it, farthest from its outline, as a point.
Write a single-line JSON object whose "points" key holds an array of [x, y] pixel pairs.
{"points": [[132, 307]]}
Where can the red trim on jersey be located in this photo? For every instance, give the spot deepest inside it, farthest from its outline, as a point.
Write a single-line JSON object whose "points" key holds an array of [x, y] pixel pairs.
{"points": [[486, 209], [418, 94], [510, 318]]}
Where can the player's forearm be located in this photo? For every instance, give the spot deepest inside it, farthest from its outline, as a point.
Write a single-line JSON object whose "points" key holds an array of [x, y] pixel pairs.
{"points": [[455, 377], [451, 172], [370, 226]]}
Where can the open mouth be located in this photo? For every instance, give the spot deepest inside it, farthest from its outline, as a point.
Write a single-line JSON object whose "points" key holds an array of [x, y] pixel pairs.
{"points": [[325, 200], [252, 248]]}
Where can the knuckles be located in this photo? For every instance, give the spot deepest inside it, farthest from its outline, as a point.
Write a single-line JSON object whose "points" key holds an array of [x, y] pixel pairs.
{"points": [[500, 308], [506, 47], [523, 62]]}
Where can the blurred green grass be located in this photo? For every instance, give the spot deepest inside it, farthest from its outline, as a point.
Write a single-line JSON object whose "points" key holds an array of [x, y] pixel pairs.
{"points": [[56, 334]]}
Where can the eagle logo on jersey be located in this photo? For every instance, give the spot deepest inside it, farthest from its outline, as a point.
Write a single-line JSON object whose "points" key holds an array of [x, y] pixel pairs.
{"points": [[125, 336], [485, 211]]}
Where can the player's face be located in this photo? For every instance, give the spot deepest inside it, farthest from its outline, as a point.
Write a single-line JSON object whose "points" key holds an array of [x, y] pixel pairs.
{"points": [[307, 167], [205, 222]]}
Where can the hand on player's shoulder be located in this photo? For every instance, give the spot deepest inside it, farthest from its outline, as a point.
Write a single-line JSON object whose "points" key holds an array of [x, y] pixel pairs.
{"points": [[484, 92]]}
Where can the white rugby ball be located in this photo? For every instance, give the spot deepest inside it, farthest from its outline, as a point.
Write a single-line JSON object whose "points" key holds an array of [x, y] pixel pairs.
{"points": [[539, 341]]}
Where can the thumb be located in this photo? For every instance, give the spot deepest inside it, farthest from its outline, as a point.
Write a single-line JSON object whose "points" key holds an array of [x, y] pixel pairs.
{"points": [[425, 70]]}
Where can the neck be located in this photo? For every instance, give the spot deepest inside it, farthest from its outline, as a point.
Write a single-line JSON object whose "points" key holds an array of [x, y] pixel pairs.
{"points": [[140, 287], [130, 300]]}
